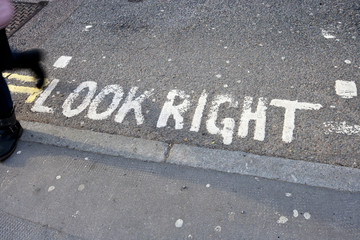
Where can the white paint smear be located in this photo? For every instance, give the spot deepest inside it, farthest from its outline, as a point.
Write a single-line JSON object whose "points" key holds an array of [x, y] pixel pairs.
{"points": [[288, 194], [81, 187], [326, 34], [345, 89], [289, 116], [51, 188], [295, 213], [179, 223], [62, 61], [341, 128], [307, 216], [282, 220], [217, 229]]}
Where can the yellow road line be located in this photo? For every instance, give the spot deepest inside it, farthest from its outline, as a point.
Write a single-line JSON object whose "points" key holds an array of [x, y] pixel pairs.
{"points": [[22, 78], [5, 75], [34, 92]]}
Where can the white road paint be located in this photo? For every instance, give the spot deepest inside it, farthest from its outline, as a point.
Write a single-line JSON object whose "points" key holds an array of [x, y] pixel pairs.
{"points": [[87, 28], [347, 61], [259, 116], [175, 111], [345, 89], [58, 177], [218, 75], [179, 223], [39, 103], [207, 185], [341, 128], [67, 110], [51, 188], [326, 34], [62, 62], [282, 220], [117, 93], [227, 131], [289, 116], [217, 229], [132, 103], [295, 213], [18, 152], [196, 122], [307, 215], [175, 107], [288, 194]]}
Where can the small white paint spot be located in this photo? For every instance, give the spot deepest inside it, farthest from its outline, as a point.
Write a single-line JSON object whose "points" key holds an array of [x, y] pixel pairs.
{"points": [[217, 229], [88, 27], [225, 86], [218, 75], [332, 106], [347, 61], [239, 81], [257, 179], [345, 89], [207, 185], [335, 66], [51, 188], [62, 61], [87, 159], [307, 216], [57, 92], [295, 213], [7, 171], [283, 58], [104, 57], [326, 34], [227, 61], [282, 220], [18, 153], [154, 100], [179, 223], [190, 236], [292, 87], [169, 60], [58, 177], [81, 187], [225, 47], [147, 111], [162, 10], [288, 194], [231, 216]]}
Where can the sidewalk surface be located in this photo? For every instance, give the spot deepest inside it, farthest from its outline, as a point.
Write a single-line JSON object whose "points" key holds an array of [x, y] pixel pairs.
{"points": [[55, 193], [76, 175]]}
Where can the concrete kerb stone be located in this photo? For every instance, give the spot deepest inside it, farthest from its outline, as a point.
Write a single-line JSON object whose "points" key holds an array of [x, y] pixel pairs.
{"points": [[295, 171], [89, 141]]}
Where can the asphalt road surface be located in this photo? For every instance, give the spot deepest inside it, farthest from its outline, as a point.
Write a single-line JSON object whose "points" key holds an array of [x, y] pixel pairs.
{"points": [[273, 78]]}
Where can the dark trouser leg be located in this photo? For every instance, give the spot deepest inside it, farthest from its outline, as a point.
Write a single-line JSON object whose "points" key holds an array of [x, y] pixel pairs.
{"points": [[6, 103]]}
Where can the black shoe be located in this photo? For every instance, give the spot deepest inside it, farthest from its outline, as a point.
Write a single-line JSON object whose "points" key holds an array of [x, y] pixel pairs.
{"points": [[30, 60], [10, 132]]}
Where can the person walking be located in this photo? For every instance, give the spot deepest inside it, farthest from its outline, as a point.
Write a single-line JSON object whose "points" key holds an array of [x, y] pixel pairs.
{"points": [[10, 128]]}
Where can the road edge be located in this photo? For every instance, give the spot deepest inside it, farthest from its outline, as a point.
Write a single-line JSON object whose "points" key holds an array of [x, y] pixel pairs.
{"points": [[294, 171]]}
